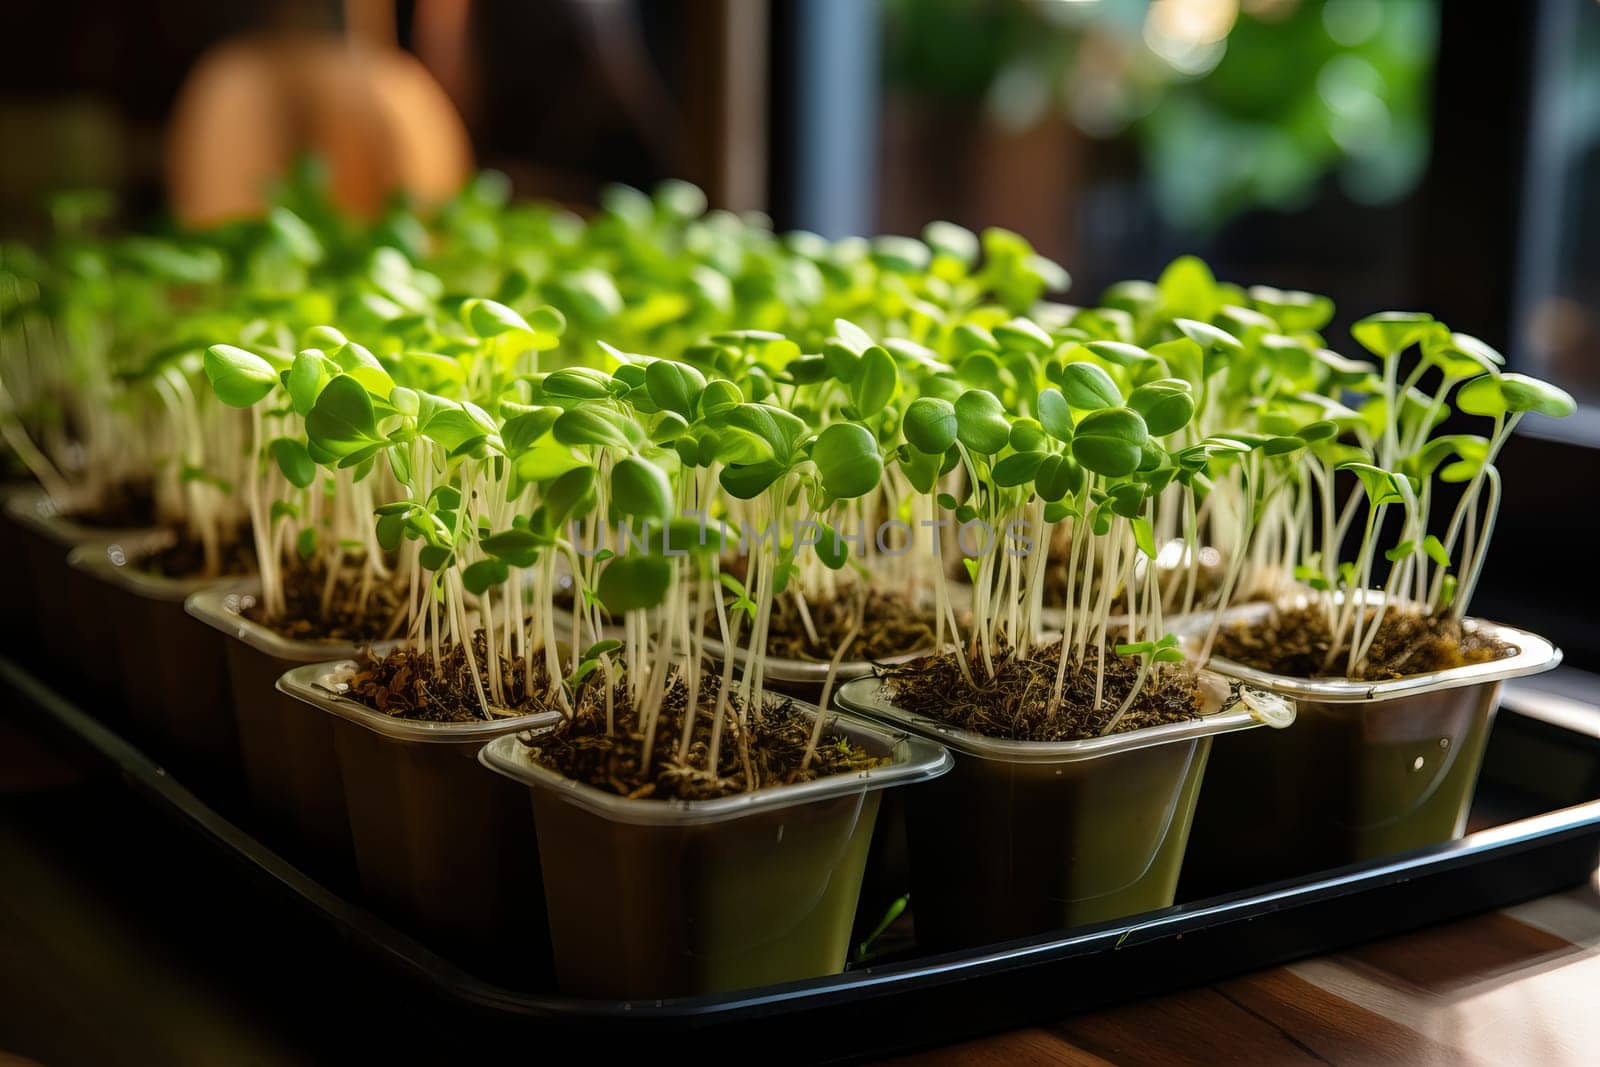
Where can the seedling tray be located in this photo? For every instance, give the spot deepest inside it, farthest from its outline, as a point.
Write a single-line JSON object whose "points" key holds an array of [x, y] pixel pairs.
{"points": [[1535, 828]]}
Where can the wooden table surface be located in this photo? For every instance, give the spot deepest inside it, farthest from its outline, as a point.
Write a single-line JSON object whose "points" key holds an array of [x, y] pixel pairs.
{"points": [[1519, 986], [85, 978]]}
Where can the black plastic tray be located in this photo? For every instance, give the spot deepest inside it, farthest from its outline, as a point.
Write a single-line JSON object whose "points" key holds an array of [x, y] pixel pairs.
{"points": [[1536, 823]]}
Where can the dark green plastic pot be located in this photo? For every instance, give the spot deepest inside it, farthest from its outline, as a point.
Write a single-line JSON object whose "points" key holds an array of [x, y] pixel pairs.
{"points": [[887, 876], [286, 747], [1370, 769], [1029, 837], [171, 668], [64, 628], [440, 844], [652, 898]]}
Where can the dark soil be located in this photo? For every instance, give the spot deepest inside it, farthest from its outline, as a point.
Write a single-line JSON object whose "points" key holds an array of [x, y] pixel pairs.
{"points": [[891, 626], [1296, 642], [407, 684], [185, 557], [771, 754], [1015, 704], [127, 505], [347, 618]]}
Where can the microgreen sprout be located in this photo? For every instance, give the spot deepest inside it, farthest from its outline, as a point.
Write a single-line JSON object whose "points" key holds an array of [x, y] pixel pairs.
{"points": [[472, 408], [1377, 425]]}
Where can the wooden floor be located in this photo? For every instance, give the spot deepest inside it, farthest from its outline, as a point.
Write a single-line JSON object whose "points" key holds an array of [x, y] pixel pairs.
{"points": [[84, 979]]}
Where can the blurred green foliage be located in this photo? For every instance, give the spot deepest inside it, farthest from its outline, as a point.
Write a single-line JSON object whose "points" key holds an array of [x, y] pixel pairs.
{"points": [[1233, 105]]}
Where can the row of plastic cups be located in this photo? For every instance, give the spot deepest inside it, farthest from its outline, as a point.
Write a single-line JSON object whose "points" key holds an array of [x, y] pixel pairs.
{"points": [[683, 897], [641, 898], [649, 898], [51, 616], [1023, 838], [427, 833], [619, 897], [1026, 838]]}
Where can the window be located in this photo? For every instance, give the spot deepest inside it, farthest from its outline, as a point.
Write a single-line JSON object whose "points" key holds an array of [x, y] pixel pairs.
{"points": [[1557, 315]]}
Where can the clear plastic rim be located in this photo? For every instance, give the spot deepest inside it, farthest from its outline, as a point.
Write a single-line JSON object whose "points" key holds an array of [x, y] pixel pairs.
{"points": [[111, 560], [1238, 707], [320, 685], [34, 508], [219, 606], [915, 759], [1534, 655]]}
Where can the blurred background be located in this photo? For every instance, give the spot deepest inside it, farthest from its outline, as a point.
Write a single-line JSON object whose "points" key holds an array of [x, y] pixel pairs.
{"points": [[1389, 153]]}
